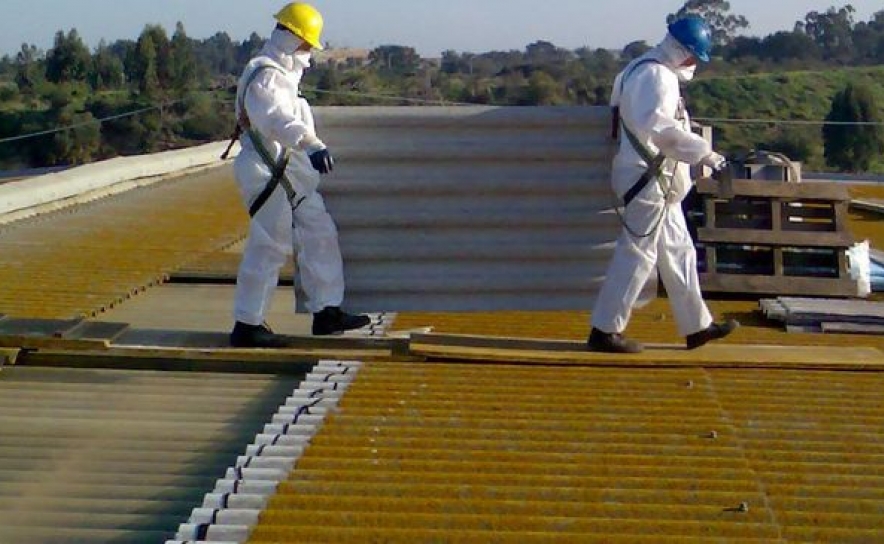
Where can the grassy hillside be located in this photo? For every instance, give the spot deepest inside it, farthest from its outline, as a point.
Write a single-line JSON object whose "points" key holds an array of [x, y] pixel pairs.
{"points": [[791, 96]]}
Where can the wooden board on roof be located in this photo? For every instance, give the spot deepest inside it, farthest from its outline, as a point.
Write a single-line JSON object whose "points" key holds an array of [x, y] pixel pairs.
{"points": [[567, 353]]}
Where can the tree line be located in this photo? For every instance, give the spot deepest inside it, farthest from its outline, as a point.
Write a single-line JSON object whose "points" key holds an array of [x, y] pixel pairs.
{"points": [[182, 88]]}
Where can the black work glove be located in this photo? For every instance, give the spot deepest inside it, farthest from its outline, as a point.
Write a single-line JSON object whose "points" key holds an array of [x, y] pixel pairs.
{"points": [[322, 161], [721, 170]]}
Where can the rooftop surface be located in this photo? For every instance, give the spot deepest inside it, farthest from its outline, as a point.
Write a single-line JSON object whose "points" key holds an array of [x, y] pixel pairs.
{"points": [[672, 448]]}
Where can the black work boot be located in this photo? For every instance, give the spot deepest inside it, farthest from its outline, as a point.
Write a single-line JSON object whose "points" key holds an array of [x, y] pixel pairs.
{"points": [[333, 320], [605, 342], [256, 336], [715, 331]]}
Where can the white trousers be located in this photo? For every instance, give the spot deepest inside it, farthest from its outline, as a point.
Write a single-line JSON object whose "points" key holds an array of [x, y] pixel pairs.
{"points": [[275, 233], [671, 249]]}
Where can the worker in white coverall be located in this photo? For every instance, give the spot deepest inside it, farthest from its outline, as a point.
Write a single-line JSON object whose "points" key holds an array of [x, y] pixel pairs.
{"points": [[278, 172], [651, 174]]}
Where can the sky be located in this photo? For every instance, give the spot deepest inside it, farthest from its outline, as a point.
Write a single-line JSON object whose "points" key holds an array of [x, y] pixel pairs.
{"points": [[431, 26]]}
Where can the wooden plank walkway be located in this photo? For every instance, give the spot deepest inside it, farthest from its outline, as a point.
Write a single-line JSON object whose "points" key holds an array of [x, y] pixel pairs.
{"points": [[188, 350], [566, 353]]}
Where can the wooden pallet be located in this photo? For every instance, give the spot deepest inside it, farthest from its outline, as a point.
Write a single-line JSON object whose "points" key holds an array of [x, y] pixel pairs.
{"points": [[775, 238]]}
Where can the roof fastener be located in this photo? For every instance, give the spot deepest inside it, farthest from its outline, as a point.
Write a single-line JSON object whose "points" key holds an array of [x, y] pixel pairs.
{"points": [[742, 508]]}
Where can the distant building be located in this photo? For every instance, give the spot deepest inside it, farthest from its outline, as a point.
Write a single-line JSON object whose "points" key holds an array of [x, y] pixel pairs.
{"points": [[345, 55]]}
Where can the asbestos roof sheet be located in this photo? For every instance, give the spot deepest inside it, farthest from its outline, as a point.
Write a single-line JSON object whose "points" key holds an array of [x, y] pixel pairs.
{"points": [[119, 456], [501, 451], [479, 453]]}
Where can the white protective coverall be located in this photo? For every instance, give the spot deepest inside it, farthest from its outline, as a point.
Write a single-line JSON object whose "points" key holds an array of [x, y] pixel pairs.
{"points": [[283, 120], [651, 106]]}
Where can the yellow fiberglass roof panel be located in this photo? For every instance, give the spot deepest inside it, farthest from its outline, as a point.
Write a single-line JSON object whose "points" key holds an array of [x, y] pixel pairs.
{"points": [[480, 453]]}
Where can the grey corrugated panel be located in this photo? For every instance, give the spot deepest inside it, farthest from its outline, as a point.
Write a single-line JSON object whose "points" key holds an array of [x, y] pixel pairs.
{"points": [[114, 456], [197, 483], [442, 116], [417, 177], [130, 507], [471, 208], [170, 492], [51, 535]]}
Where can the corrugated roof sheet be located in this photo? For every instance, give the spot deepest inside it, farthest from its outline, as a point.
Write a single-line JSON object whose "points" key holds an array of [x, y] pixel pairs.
{"points": [[479, 453], [501, 452], [90, 456], [83, 260]]}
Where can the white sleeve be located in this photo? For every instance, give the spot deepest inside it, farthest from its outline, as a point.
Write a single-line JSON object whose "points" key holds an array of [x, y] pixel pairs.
{"points": [[270, 115], [310, 142], [653, 102], [615, 91]]}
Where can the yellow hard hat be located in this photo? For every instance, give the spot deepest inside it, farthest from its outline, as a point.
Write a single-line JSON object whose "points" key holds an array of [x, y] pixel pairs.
{"points": [[304, 21]]}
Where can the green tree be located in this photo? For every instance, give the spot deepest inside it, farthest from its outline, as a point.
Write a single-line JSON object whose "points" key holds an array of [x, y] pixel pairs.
{"points": [[397, 59], [781, 46], [7, 66], [327, 82], [797, 144], [868, 40], [723, 23], [219, 54], [7, 93], [145, 66], [832, 31], [30, 69], [69, 59], [452, 62], [77, 145], [202, 120], [543, 90], [181, 61], [163, 50], [107, 69], [635, 49], [853, 147], [545, 53], [452, 88], [249, 48], [59, 97]]}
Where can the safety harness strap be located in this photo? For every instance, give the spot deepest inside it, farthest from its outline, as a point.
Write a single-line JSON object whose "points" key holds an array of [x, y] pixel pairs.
{"points": [[655, 162], [654, 170], [277, 166]]}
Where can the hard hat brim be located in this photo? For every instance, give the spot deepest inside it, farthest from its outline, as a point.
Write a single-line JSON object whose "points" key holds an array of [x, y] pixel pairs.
{"points": [[314, 44]]}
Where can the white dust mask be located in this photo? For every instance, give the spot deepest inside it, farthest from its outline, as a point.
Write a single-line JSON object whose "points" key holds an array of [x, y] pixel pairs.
{"points": [[686, 73], [302, 59]]}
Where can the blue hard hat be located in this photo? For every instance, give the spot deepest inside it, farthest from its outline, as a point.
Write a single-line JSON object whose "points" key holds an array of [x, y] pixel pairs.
{"points": [[694, 34]]}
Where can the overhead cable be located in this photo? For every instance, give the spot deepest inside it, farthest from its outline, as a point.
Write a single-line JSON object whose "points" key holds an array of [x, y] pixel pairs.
{"points": [[83, 124], [787, 122], [393, 98]]}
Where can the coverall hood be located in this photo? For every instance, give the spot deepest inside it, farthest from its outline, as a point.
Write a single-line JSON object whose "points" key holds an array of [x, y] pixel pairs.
{"points": [[282, 47], [674, 55]]}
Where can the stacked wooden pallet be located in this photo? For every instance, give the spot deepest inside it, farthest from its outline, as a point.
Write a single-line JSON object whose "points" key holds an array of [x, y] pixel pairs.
{"points": [[776, 239], [826, 315]]}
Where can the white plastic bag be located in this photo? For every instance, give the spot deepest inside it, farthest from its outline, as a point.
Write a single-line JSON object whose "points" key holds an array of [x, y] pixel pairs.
{"points": [[860, 267]]}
